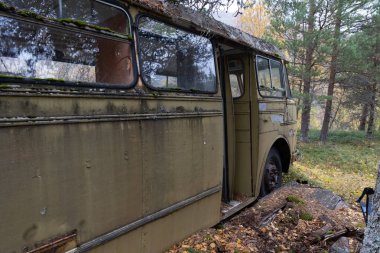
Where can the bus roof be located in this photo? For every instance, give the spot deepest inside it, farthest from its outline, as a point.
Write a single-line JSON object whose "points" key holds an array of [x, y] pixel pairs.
{"points": [[205, 24]]}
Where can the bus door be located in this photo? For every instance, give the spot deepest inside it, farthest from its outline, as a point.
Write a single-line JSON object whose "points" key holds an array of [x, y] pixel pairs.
{"points": [[240, 125]]}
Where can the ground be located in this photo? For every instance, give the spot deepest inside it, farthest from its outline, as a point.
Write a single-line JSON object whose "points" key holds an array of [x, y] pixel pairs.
{"points": [[295, 218], [291, 220], [345, 164]]}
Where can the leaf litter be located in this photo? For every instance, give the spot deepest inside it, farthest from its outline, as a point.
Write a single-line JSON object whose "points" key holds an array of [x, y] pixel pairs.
{"points": [[295, 218]]}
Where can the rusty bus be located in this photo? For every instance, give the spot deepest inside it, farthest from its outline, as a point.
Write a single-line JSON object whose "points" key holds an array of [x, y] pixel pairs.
{"points": [[124, 125]]}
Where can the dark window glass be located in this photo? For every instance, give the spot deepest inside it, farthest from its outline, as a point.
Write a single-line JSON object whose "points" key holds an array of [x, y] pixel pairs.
{"points": [[269, 75], [88, 11], [235, 69], [63, 53], [175, 59]]}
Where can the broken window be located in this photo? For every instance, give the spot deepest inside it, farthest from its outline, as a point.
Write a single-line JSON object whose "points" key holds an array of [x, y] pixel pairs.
{"points": [[174, 59], [66, 41]]}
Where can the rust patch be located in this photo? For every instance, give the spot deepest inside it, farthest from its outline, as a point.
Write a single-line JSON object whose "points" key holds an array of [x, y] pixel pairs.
{"points": [[59, 244]]}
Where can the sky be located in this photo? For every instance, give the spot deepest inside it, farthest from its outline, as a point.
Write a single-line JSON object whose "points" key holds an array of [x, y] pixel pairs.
{"points": [[228, 17]]}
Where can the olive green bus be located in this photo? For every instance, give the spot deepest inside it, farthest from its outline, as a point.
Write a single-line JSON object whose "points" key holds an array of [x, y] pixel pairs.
{"points": [[127, 125]]}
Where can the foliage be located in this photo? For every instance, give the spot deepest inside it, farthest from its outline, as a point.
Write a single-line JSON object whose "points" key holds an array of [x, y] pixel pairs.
{"points": [[206, 6], [255, 19], [345, 164], [289, 29]]}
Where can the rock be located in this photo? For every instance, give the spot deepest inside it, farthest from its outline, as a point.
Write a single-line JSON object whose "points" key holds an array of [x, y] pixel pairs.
{"points": [[328, 199], [322, 231], [340, 246]]}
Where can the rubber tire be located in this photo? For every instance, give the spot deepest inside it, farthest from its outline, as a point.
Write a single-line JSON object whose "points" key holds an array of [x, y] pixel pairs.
{"points": [[270, 182]]}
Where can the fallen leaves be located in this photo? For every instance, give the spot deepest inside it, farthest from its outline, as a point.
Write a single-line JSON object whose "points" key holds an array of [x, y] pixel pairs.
{"points": [[285, 232]]}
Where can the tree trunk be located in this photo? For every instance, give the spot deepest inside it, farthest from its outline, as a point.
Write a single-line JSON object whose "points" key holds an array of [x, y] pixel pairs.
{"points": [[371, 119], [336, 112], [363, 117], [334, 57], [310, 46], [376, 63], [371, 241]]}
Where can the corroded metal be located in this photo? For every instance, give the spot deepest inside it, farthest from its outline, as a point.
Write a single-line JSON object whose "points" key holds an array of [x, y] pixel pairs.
{"points": [[57, 245]]}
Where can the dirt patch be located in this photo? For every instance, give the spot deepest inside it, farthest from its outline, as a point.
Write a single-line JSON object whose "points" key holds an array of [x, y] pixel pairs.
{"points": [[295, 218]]}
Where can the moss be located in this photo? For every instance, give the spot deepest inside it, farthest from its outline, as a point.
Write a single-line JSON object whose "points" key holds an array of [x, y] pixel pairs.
{"points": [[12, 77], [175, 89], [294, 199], [4, 6], [79, 23], [306, 216], [100, 28], [29, 14], [130, 37], [82, 24], [54, 80], [48, 79]]}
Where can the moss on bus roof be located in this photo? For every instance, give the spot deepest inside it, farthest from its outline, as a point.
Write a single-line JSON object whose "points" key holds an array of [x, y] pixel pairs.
{"points": [[205, 24]]}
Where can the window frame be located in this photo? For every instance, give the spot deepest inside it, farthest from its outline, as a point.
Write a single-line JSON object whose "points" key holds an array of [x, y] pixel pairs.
{"points": [[286, 83], [270, 73], [80, 84], [243, 79], [175, 26]]}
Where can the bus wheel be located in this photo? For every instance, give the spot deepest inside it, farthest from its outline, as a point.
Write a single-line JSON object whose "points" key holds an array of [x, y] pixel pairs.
{"points": [[272, 178]]}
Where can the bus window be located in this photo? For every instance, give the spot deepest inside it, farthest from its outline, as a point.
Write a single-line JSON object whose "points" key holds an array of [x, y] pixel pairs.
{"points": [[171, 58], [235, 69], [67, 49], [270, 81], [263, 75], [89, 11], [277, 83]]}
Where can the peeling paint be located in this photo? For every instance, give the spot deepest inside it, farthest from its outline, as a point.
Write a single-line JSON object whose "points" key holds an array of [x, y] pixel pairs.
{"points": [[277, 118], [262, 106]]}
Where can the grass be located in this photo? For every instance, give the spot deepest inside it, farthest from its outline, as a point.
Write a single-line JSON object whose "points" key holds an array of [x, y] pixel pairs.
{"points": [[295, 199], [345, 164], [306, 216]]}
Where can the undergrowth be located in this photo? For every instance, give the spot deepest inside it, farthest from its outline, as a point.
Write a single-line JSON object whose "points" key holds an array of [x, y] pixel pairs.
{"points": [[345, 164]]}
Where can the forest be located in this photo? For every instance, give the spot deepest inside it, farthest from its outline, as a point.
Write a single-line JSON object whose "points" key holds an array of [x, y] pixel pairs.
{"points": [[333, 49], [333, 53]]}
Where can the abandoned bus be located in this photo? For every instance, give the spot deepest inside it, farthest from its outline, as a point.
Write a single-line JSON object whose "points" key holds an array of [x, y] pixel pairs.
{"points": [[125, 125]]}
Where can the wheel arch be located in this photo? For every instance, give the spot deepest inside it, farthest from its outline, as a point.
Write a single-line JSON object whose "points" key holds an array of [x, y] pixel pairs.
{"points": [[282, 145]]}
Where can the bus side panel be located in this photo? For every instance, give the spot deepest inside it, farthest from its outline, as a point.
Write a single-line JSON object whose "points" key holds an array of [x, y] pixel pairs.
{"points": [[102, 174], [159, 235], [58, 178], [181, 158]]}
